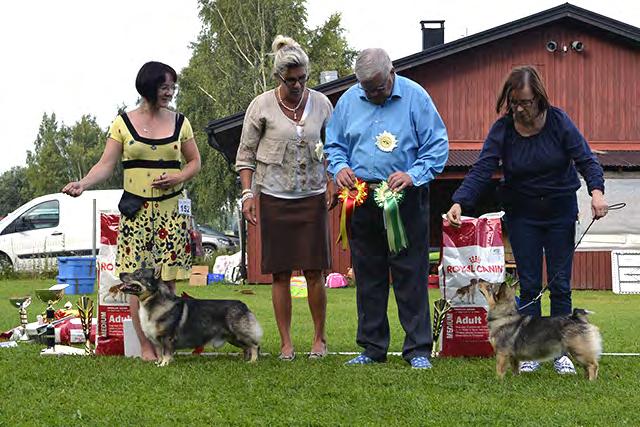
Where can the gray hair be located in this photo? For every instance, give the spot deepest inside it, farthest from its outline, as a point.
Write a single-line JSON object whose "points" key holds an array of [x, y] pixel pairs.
{"points": [[287, 53], [371, 62]]}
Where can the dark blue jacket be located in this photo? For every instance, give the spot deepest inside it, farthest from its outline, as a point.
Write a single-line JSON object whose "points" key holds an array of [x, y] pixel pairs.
{"points": [[540, 165]]}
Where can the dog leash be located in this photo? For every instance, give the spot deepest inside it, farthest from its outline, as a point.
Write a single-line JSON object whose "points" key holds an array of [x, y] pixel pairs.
{"points": [[613, 207]]}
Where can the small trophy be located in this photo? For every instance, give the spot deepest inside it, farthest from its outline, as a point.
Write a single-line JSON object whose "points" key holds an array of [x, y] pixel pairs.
{"points": [[440, 309], [85, 313], [22, 303], [50, 297]]}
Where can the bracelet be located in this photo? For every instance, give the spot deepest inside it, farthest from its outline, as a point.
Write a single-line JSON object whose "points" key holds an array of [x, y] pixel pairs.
{"points": [[246, 190], [246, 197]]}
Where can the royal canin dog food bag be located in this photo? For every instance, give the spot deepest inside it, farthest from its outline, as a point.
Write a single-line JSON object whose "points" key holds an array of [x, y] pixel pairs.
{"points": [[113, 309], [470, 252]]}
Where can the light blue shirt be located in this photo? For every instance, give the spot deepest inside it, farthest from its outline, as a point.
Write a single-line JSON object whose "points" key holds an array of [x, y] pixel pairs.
{"points": [[408, 114]]}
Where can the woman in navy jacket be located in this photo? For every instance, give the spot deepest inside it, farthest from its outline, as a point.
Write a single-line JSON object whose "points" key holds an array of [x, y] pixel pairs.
{"points": [[540, 151]]}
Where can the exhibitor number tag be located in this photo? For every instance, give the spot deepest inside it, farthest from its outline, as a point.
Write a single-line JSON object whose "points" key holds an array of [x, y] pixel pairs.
{"points": [[184, 207]]}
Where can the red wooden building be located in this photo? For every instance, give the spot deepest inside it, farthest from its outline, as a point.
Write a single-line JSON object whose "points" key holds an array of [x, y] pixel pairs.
{"points": [[591, 66]]}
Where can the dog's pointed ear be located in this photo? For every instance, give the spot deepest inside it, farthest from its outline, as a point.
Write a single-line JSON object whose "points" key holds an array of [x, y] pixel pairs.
{"points": [[145, 273], [510, 290], [502, 290], [486, 289], [157, 273]]}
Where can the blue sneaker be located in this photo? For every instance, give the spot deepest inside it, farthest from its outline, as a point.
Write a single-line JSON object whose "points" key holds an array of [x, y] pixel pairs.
{"points": [[420, 362], [360, 360]]}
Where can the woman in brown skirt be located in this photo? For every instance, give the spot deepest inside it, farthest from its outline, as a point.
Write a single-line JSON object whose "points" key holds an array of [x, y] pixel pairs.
{"points": [[281, 157]]}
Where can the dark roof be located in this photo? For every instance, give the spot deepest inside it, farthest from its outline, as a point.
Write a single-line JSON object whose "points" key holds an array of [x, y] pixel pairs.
{"points": [[462, 159], [224, 133], [610, 160]]}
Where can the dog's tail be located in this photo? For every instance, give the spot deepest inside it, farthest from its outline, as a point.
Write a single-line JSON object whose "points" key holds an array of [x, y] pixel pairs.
{"points": [[245, 324]]}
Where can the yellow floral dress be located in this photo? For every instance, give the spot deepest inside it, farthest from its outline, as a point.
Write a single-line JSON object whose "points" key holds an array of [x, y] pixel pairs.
{"points": [[157, 234]]}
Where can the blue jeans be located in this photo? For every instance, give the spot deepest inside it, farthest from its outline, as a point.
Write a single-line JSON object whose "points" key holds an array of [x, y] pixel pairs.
{"points": [[537, 227]]}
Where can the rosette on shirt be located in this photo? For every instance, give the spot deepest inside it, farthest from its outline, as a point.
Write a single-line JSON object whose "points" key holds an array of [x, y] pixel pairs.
{"points": [[350, 198], [389, 201]]}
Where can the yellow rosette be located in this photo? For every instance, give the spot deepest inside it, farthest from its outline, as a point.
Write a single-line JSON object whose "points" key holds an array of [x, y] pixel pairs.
{"points": [[389, 201], [350, 199], [386, 141]]}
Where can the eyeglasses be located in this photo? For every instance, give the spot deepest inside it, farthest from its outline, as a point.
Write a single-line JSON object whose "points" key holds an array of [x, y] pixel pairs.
{"points": [[372, 91], [524, 103], [168, 88], [375, 90], [291, 81]]}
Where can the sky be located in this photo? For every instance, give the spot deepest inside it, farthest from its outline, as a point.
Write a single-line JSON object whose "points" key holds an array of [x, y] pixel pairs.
{"points": [[75, 57]]}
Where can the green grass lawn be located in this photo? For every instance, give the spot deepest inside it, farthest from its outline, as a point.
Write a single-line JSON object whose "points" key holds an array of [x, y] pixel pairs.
{"points": [[223, 390]]}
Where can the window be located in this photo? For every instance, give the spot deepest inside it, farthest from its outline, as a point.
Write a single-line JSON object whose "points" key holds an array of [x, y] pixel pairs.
{"points": [[44, 215]]}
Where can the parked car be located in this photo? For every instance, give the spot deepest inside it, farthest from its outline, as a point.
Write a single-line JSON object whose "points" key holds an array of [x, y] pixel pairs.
{"points": [[51, 226], [196, 240], [213, 240]]}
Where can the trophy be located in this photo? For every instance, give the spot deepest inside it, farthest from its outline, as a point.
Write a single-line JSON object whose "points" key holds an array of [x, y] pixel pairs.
{"points": [[440, 309], [22, 303], [50, 297], [85, 313]]}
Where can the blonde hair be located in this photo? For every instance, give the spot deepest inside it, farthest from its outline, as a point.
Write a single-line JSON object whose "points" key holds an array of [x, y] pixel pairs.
{"points": [[287, 53]]}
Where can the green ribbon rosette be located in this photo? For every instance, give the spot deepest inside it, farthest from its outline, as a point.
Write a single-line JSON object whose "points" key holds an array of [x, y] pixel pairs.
{"points": [[389, 201]]}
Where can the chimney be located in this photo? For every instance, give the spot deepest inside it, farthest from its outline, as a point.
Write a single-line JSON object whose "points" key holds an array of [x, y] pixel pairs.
{"points": [[432, 35]]}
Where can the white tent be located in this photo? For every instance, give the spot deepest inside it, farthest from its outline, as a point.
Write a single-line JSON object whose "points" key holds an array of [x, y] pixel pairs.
{"points": [[620, 229]]}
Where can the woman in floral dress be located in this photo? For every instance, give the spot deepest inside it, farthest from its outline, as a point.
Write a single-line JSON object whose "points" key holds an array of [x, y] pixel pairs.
{"points": [[158, 154]]}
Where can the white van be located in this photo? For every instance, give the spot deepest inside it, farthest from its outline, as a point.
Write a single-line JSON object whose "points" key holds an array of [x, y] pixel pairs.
{"points": [[47, 227]]}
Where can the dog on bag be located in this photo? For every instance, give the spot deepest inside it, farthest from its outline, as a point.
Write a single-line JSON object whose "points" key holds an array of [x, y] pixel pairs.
{"points": [[468, 291], [171, 322], [516, 337]]}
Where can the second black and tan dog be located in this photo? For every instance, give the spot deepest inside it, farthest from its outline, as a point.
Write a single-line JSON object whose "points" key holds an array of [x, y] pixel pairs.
{"points": [[517, 338], [171, 322]]}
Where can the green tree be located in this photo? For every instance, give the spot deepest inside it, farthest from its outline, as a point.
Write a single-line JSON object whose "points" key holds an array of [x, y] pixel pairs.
{"points": [[85, 148], [62, 154], [231, 64], [47, 168], [14, 189]]}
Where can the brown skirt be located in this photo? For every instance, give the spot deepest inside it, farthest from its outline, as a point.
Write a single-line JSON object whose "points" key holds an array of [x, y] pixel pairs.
{"points": [[295, 234]]}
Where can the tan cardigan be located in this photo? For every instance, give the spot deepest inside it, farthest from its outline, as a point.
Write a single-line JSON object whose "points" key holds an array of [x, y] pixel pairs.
{"points": [[283, 161]]}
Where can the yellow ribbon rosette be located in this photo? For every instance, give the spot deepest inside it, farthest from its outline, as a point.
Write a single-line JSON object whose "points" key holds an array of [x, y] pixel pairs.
{"points": [[386, 141]]}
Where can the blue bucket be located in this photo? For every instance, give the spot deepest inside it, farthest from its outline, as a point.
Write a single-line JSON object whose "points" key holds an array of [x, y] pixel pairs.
{"points": [[78, 272], [213, 278]]}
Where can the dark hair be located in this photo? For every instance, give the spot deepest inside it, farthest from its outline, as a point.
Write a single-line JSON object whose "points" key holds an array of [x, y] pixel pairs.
{"points": [[518, 79], [150, 77]]}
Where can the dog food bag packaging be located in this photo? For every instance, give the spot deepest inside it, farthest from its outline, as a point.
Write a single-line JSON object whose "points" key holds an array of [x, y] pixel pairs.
{"points": [[113, 308], [470, 252]]}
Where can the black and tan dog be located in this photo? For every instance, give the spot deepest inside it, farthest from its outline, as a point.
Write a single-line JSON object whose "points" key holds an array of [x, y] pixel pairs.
{"points": [[171, 322], [517, 338]]}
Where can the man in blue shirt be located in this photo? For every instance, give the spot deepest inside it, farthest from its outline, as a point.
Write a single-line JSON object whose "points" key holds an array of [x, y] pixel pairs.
{"points": [[386, 128]]}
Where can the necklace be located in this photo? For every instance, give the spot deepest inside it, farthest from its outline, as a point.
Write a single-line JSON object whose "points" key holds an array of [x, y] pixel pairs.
{"points": [[293, 110]]}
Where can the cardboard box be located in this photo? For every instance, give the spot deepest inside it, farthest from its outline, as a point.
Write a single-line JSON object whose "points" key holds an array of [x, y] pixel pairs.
{"points": [[199, 275], [131, 341]]}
